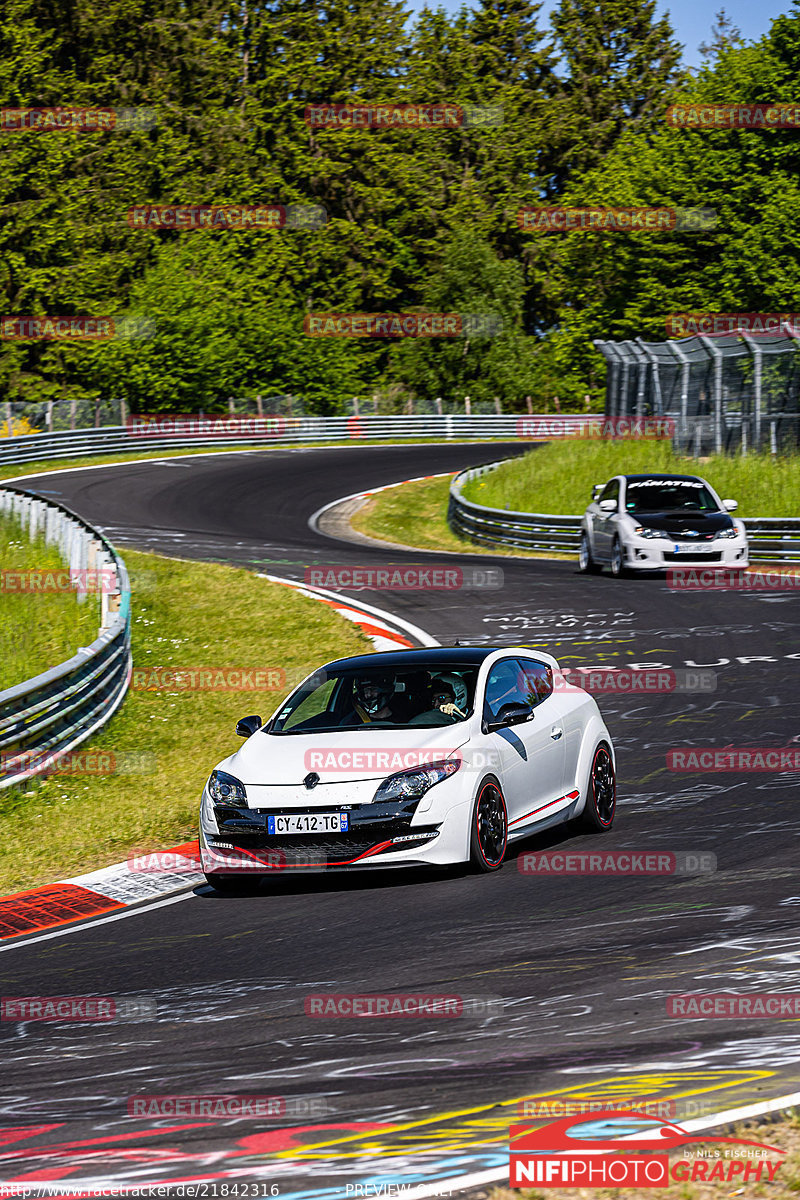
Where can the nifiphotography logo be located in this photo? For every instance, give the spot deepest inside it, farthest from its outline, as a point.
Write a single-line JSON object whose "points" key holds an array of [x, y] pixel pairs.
{"points": [[601, 1151]]}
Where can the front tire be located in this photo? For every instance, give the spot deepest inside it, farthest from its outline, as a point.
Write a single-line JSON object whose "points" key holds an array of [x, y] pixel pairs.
{"points": [[586, 563], [489, 828], [601, 792], [617, 558]]}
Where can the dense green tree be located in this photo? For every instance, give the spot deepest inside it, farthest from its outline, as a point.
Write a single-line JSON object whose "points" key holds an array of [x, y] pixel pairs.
{"points": [[471, 281], [620, 63]]}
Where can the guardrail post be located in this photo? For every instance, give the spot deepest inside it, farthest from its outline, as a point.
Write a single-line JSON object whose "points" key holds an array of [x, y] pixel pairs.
{"points": [[716, 354], [755, 353]]}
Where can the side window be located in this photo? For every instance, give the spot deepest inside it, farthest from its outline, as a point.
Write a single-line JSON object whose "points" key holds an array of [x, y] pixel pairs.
{"points": [[537, 681], [610, 491], [516, 681]]}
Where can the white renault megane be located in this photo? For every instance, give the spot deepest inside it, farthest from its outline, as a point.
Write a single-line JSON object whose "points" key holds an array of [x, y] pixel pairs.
{"points": [[412, 757]]}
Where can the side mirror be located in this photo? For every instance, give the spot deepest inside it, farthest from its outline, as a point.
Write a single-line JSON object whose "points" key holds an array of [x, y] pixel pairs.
{"points": [[730, 505], [608, 506], [510, 714], [248, 726], [597, 489]]}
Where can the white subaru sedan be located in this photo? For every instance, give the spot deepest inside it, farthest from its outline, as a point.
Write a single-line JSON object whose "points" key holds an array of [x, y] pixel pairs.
{"points": [[409, 758], [653, 522]]}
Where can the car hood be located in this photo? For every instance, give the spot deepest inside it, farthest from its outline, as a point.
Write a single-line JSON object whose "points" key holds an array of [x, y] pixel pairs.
{"points": [[347, 754], [677, 522]]}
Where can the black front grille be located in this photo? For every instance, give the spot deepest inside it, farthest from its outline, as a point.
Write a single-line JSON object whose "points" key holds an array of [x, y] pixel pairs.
{"points": [[332, 847]]}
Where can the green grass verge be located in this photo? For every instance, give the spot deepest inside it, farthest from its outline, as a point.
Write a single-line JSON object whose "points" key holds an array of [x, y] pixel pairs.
{"points": [[186, 615], [38, 629], [558, 477], [415, 514]]}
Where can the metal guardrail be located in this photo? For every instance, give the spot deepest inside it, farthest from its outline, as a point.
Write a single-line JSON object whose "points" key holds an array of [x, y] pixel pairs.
{"points": [[48, 715], [772, 539], [36, 447]]}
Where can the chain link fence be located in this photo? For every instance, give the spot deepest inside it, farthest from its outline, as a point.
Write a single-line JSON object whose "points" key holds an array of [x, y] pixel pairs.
{"points": [[47, 416], [739, 392]]}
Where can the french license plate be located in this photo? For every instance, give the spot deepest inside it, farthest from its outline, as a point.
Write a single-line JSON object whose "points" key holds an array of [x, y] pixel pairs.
{"points": [[692, 549], [308, 823]]}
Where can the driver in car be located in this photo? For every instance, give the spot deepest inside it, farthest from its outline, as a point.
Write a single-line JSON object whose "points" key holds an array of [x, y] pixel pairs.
{"points": [[370, 701]]}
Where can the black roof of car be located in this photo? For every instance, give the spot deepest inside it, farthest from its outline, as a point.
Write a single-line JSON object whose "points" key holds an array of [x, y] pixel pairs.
{"points": [[441, 655]]}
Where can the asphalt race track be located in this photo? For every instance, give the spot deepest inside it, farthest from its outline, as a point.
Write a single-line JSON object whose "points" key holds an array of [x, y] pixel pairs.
{"points": [[583, 965]]}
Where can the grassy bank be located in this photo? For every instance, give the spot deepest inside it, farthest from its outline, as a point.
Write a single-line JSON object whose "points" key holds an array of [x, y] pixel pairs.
{"points": [[37, 629], [186, 615], [558, 477], [415, 514]]}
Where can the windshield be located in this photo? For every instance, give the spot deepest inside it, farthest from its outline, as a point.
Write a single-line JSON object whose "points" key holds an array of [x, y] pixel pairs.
{"points": [[666, 495], [394, 698]]}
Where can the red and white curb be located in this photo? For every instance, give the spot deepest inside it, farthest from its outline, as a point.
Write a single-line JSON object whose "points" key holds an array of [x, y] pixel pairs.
{"points": [[99, 893], [386, 631]]}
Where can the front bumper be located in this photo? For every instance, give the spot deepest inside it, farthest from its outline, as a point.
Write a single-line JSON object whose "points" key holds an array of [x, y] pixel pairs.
{"points": [[379, 835], [650, 555]]}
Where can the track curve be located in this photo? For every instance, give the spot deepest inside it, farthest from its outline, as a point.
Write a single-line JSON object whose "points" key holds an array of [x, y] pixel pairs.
{"points": [[583, 964]]}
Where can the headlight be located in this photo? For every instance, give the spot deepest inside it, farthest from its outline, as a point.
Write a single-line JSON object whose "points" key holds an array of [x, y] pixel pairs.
{"points": [[643, 532], [226, 789], [727, 533], [411, 784]]}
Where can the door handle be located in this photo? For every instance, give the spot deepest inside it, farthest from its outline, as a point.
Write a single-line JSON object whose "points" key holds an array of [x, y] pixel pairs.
{"points": [[556, 732]]}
